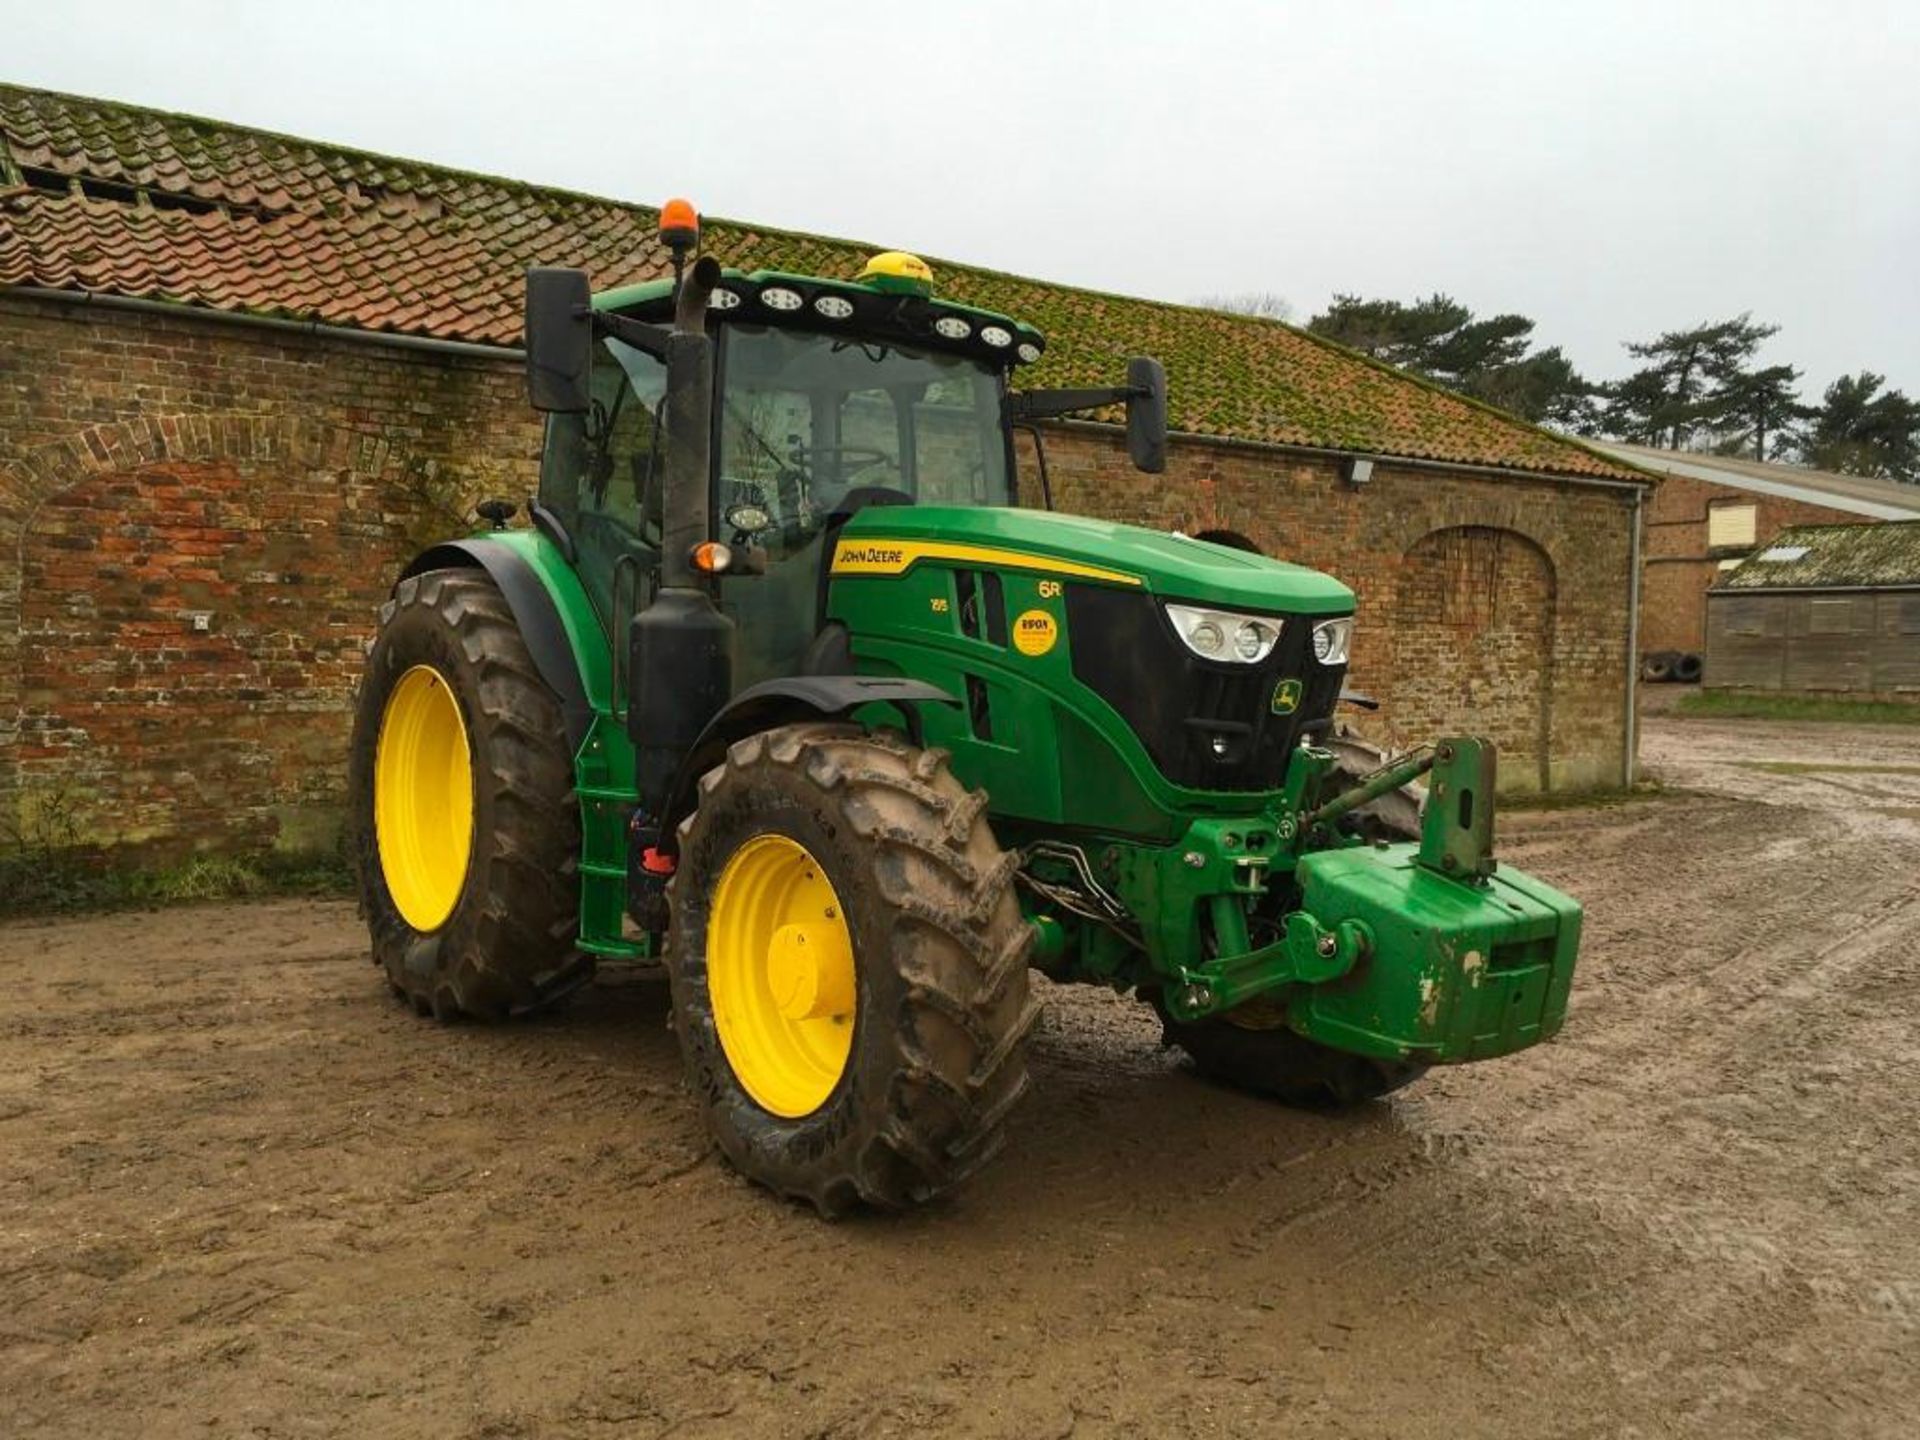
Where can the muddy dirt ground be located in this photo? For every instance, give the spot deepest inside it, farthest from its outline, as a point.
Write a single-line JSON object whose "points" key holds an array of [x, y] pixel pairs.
{"points": [[242, 1192]]}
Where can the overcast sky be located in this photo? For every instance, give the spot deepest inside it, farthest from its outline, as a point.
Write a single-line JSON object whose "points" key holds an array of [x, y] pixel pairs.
{"points": [[1610, 169]]}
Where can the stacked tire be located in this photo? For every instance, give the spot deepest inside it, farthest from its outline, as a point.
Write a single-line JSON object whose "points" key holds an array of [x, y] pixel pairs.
{"points": [[1679, 667]]}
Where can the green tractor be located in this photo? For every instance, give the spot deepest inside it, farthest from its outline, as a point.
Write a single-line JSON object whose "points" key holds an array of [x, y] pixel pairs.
{"points": [[782, 690]]}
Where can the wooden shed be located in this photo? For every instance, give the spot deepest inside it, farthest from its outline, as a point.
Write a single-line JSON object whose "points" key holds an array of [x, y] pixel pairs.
{"points": [[1823, 609]]}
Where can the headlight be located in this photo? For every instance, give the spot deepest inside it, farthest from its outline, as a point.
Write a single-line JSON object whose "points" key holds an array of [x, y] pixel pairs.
{"points": [[1224, 634], [1330, 640]]}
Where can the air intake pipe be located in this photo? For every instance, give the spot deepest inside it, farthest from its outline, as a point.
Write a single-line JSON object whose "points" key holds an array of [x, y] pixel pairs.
{"points": [[680, 648]]}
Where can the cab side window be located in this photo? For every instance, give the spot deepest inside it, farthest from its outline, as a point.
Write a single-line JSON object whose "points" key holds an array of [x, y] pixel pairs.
{"points": [[601, 476]]}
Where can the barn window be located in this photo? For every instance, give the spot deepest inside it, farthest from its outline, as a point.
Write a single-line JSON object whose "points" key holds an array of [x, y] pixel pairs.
{"points": [[1830, 616], [1910, 614], [1732, 525]]}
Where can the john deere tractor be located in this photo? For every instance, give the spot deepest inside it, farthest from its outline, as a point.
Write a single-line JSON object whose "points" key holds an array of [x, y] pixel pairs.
{"points": [[783, 690]]}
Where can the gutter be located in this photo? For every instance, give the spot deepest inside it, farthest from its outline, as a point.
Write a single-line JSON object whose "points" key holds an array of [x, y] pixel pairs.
{"points": [[1636, 573], [1718, 592], [84, 298]]}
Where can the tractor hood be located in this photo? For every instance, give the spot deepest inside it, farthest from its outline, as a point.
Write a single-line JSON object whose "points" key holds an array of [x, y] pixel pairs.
{"points": [[891, 539]]}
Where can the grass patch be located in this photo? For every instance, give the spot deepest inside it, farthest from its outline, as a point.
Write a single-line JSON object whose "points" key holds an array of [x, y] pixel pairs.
{"points": [[1736, 705], [77, 882]]}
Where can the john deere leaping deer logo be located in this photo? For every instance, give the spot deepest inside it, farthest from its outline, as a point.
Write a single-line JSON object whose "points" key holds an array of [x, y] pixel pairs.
{"points": [[1286, 697]]}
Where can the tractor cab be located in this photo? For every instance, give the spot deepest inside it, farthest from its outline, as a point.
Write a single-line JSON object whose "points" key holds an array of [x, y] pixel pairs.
{"points": [[830, 396]]}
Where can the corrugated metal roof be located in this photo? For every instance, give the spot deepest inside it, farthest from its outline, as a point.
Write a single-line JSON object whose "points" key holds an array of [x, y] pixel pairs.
{"points": [[120, 200], [1814, 557], [1853, 494]]}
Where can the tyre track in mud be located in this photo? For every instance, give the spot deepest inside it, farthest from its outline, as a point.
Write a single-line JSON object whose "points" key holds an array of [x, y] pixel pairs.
{"points": [[242, 1192]]}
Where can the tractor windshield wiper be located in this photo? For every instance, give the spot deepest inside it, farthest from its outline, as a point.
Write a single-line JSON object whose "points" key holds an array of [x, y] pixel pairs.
{"points": [[876, 353], [780, 461]]}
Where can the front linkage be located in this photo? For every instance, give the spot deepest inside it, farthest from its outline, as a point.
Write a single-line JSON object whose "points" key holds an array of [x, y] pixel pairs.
{"points": [[1421, 952]]}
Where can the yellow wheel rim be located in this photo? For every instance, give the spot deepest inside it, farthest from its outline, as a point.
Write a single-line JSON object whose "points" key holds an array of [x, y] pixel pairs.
{"points": [[423, 798], [780, 972]]}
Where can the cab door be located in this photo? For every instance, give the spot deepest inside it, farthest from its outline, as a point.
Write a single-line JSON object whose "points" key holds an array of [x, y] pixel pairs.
{"points": [[601, 477]]}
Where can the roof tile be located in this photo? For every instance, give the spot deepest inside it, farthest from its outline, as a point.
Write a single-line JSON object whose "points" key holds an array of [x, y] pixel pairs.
{"points": [[1821, 556], [347, 238]]}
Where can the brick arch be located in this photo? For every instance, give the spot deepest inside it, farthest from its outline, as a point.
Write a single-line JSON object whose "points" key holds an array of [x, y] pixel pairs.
{"points": [[34, 487], [1520, 515], [1232, 539], [1473, 639]]}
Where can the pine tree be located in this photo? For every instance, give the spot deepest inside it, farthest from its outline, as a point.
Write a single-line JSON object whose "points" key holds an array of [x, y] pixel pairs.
{"points": [[1861, 429], [1441, 340], [1693, 383], [1764, 410], [1544, 388]]}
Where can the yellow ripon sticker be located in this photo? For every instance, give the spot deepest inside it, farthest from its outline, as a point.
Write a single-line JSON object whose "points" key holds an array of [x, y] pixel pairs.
{"points": [[896, 557], [1035, 633]]}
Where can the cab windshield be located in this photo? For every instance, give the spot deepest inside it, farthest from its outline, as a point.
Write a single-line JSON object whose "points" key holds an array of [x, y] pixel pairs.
{"points": [[806, 419]]}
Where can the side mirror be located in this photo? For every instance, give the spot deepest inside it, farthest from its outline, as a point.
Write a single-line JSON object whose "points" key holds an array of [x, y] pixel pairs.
{"points": [[1147, 414], [559, 340]]}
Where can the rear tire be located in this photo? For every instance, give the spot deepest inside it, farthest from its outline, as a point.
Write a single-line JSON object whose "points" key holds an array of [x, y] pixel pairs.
{"points": [[506, 943], [936, 1058]]}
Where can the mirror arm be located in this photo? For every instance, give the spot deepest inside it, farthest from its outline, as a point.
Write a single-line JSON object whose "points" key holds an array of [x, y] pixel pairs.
{"points": [[1029, 405], [641, 336]]}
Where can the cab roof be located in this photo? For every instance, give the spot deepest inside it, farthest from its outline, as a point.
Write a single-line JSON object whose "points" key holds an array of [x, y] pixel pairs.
{"points": [[855, 307]]}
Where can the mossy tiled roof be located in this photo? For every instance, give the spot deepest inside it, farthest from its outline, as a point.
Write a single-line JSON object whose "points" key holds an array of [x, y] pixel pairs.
{"points": [[1811, 557], [126, 201]]}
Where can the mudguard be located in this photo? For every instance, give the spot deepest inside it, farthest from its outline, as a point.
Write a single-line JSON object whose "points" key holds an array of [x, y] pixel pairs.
{"points": [[534, 612], [784, 702]]}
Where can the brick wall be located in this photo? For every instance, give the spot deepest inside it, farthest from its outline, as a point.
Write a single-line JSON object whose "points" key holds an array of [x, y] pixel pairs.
{"points": [[1497, 605], [1680, 567], [198, 520], [158, 475]]}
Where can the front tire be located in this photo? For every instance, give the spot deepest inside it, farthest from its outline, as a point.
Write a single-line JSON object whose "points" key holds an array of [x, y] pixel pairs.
{"points": [[1250, 1047], [1394, 816], [463, 827], [848, 964]]}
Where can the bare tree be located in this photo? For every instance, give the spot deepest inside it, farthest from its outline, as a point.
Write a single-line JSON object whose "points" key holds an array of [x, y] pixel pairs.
{"points": [[1267, 304]]}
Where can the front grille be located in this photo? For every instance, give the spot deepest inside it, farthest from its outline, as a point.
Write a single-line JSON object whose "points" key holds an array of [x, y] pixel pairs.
{"points": [[1206, 723]]}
